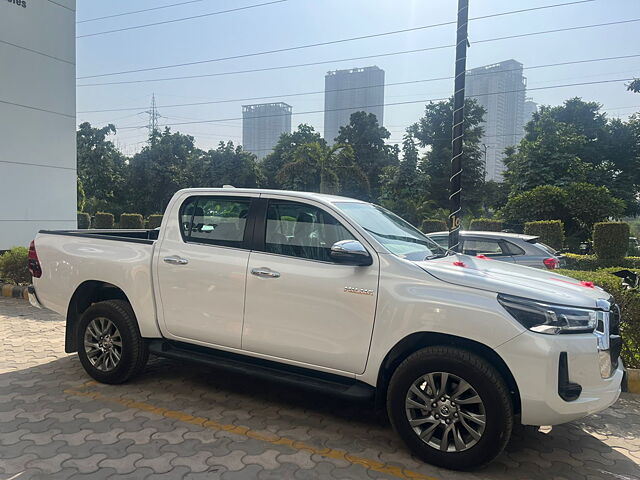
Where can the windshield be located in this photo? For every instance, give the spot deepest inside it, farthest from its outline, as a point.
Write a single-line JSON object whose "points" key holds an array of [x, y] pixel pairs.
{"points": [[395, 234]]}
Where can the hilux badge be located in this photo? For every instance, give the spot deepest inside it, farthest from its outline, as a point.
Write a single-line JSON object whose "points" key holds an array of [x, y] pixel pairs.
{"points": [[359, 291]]}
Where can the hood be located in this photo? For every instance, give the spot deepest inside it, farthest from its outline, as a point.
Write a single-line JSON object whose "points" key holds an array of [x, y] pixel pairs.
{"points": [[509, 278]]}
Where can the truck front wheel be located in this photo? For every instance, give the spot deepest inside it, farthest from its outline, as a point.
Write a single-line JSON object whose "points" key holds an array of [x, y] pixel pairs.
{"points": [[110, 347], [451, 407]]}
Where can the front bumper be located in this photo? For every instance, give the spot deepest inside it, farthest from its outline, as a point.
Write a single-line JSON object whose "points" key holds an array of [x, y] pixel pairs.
{"points": [[534, 361]]}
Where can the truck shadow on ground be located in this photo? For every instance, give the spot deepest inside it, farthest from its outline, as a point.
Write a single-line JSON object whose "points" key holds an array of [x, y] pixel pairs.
{"points": [[596, 447]]}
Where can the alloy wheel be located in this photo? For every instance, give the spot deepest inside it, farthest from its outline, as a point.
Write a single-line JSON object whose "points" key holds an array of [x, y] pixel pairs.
{"points": [[103, 344], [445, 411]]}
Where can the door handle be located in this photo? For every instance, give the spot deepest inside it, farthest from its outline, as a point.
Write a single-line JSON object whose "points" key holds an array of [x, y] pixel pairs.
{"points": [[175, 260], [264, 272]]}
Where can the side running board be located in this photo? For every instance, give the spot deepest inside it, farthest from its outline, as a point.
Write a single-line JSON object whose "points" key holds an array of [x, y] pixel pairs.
{"points": [[295, 377]]}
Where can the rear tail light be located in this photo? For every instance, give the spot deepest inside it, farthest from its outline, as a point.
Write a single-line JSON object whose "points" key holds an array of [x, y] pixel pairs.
{"points": [[34, 263], [551, 263]]}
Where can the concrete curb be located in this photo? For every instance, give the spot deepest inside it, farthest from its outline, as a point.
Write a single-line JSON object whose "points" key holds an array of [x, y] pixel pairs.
{"points": [[14, 291], [633, 380]]}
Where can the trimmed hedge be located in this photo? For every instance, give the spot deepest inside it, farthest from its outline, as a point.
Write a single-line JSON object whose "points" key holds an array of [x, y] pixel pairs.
{"points": [[591, 262], [131, 220], [486, 224], [103, 220], [14, 266], [629, 301], [84, 220], [431, 225], [154, 221], [551, 232], [611, 239]]}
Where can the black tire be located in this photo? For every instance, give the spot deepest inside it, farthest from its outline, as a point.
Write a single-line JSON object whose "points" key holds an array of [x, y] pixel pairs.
{"points": [[477, 372], [134, 352]]}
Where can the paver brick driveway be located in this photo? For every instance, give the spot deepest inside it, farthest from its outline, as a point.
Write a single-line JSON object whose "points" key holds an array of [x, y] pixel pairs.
{"points": [[185, 421]]}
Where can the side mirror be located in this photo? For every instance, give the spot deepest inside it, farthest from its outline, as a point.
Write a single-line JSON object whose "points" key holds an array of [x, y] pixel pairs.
{"points": [[350, 252]]}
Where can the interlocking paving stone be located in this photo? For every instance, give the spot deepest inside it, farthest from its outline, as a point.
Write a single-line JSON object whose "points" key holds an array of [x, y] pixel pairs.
{"points": [[49, 433]]}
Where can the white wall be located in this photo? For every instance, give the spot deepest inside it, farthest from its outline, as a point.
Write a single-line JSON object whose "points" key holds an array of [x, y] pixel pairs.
{"points": [[37, 119]]}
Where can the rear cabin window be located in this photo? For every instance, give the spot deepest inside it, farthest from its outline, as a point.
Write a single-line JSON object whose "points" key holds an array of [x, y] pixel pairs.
{"points": [[215, 220]]}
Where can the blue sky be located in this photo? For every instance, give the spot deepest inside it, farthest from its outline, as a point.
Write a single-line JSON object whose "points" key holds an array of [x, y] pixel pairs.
{"points": [[298, 22]]}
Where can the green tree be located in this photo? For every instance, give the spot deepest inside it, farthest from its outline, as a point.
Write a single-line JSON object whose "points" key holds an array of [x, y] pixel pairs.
{"points": [[494, 196], [575, 142], [319, 168], [589, 204], [578, 205], [81, 197], [228, 165], [403, 186], [634, 86], [545, 202], [372, 155], [433, 131], [162, 168], [101, 167], [546, 155], [283, 151]]}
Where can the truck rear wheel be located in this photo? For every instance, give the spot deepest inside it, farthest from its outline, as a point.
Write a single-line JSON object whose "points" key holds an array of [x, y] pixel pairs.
{"points": [[110, 347], [451, 407]]}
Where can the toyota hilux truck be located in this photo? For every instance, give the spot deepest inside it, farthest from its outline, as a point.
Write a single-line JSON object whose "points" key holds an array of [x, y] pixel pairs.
{"points": [[339, 296]]}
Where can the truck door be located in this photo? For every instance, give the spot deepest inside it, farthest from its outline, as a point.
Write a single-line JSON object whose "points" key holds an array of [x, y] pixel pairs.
{"points": [[201, 269], [300, 304]]}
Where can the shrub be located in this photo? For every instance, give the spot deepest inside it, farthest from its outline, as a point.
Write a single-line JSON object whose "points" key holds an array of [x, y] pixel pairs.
{"points": [[629, 301], [486, 224], [14, 266], [546, 202], [591, 262], [103, 220], [154, 221], [610, 239], [131, 220], [433, 225], [84, 220], [551, 232]]}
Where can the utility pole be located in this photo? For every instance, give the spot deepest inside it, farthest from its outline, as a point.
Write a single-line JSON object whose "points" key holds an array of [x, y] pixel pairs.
{"points": [[153, 120], [455, 215]]}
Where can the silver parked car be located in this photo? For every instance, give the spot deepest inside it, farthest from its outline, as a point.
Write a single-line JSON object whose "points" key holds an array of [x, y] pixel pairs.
{"points": [[508, 247]]}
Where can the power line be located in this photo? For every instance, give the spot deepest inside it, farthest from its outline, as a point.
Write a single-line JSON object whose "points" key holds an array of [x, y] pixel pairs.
{"points": [[317, 92], [408, 102], [164, 22], [131, 12], [388, 54], [330, 42]]}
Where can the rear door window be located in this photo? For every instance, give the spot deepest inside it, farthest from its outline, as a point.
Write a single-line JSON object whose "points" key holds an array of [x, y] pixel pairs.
{"points": [[512, 248], [483, 246], [546, 248], [215, 220]]}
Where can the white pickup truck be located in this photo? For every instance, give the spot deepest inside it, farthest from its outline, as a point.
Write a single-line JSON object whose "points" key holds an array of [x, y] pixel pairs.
{"points": [[340, 296]]}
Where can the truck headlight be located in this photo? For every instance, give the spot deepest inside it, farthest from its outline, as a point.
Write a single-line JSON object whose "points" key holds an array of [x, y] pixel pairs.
{"points": [[548, 318]]}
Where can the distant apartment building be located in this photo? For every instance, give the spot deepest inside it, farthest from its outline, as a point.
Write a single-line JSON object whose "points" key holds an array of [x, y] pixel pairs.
{"points": [[349, 91], [530, 107], [262, 125], [500, 89]]}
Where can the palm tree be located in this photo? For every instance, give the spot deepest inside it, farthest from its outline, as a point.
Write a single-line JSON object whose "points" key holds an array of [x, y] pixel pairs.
{"points": [[319, 168]]}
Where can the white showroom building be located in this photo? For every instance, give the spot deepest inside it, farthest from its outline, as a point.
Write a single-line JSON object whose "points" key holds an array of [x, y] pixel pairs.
{"points": [[37, 118]]}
